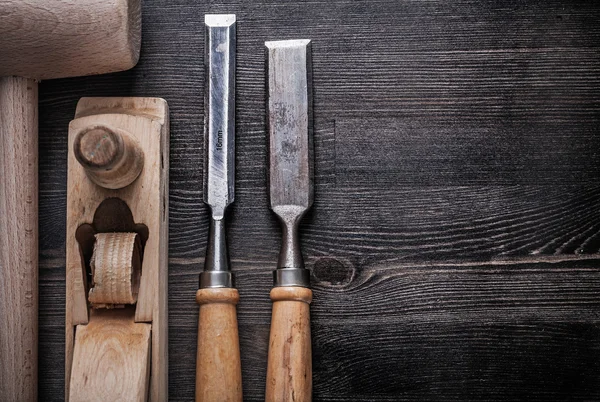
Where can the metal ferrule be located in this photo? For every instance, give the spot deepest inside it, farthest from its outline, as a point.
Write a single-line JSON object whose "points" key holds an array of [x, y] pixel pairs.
{"points": [[291, 277], [216, 264]]}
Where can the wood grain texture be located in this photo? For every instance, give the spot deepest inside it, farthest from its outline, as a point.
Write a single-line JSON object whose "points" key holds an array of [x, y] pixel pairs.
{"points": [[465, 278], [67, 38], [18, 239], [111, 358], [218, 366], [111, 157], [115, 269], [289, 367], [147, 203]]}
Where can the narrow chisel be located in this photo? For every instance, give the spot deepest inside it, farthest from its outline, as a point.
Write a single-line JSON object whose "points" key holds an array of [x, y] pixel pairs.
{"points": [[218, 368], [289, 117]]}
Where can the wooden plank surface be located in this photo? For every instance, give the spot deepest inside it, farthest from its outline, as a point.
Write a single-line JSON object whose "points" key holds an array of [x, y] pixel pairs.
{"points": [[455, 236]]}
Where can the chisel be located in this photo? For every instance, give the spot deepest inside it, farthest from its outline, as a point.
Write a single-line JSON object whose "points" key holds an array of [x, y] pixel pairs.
{"points": [[218, 368], [289, 117]]}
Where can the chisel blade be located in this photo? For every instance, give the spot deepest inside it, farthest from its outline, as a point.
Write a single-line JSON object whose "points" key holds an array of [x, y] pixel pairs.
{"points": [[219, 112], [289, 115], [219, 143]]}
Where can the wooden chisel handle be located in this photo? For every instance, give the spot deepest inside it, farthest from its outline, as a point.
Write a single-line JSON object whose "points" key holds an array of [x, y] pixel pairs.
{"points": [[218, 367], [18, 239], [289, 370]]}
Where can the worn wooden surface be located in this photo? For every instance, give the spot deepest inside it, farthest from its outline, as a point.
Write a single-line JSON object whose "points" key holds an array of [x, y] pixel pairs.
{"points": [[68, 38], [18, 239], [111, 358], [218, 362], [141, 207], [289, 367], [455, 235]]}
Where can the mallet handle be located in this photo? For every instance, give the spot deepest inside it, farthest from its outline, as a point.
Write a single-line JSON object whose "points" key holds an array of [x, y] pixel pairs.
{"points": [[18, 239]]}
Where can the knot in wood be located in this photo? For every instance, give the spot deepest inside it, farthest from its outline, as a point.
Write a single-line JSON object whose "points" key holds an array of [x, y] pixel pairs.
{"points": [[333, 271]]}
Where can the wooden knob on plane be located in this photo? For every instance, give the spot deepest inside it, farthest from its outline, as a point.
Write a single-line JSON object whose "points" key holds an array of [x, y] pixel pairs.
{"points": [[289, 369], [110, 156]]}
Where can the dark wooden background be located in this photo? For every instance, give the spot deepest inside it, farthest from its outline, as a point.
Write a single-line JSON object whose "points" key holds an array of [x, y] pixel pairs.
{"points": [[455, 235]]}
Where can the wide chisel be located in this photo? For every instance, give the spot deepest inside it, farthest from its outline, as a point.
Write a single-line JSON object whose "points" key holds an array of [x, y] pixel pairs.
{"points": [[289, 117], [218, 368]]}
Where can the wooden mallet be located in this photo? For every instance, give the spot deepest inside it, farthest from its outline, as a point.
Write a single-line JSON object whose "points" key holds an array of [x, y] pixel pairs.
{"points": [[41, 40]]}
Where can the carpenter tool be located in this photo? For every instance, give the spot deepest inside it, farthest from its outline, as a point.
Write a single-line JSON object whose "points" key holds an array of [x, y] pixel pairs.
{"points": [[116, 346], [218, 367], [289, 116], [41, 40]]}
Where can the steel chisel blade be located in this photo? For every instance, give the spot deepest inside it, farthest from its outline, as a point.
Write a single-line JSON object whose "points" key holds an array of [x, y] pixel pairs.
{"points": [[290, 123]]}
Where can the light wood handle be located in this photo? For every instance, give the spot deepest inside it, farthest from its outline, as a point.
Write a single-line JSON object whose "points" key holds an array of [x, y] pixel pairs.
{"points": [[218, 367], [289, 370], [18, 239]]}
